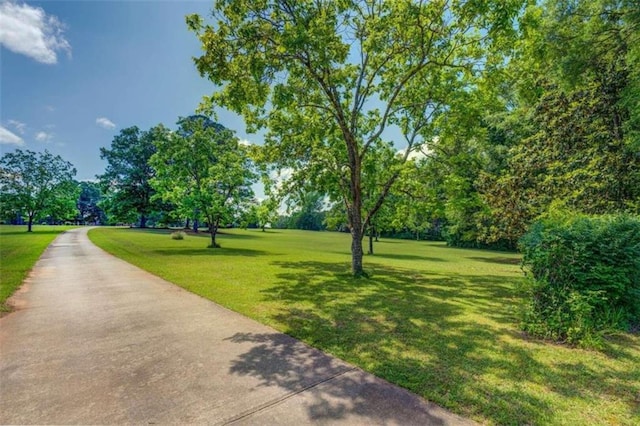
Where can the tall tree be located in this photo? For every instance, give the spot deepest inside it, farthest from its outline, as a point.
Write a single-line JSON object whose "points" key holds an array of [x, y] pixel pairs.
{"points": [[327, 78], [203, 167], [575, 71], [88, 204], [36, 184], [126, 179]]}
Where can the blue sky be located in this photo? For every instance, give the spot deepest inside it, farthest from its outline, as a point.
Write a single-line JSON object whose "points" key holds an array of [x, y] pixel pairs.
{"points": [[73, 73]]}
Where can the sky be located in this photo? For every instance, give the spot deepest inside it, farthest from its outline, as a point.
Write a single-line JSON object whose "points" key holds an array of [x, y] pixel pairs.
{"points": [[74, 73]]}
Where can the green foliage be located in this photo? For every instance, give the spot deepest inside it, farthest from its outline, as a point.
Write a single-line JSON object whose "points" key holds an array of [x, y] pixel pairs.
{"points": [[578, 155], [573, 115], [203, 167], [88, 204], [128, 195], [326, 78], [584, 276], [264, 214], [442, 187], [36, 185], [308, 212]]}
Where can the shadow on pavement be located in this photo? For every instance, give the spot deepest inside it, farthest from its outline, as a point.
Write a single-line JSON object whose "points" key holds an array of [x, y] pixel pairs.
{"points": [[332, 389]]}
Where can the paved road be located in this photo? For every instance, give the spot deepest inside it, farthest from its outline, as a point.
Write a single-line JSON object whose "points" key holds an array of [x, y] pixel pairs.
{"points": [[96, 340]]}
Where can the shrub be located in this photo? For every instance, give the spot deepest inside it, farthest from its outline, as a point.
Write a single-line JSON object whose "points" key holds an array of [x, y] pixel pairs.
{"points": [[584, 277], [177, 235]]}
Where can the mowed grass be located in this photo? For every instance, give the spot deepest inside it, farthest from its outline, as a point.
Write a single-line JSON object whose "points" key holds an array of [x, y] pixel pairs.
{"points": [[19, 251], [439, 321]]}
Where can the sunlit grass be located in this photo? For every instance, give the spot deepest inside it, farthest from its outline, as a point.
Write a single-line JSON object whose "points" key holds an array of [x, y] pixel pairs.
{"points": [[19, 251], [439, 321]]}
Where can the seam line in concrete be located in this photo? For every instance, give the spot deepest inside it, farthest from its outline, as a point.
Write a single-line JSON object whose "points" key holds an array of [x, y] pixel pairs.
{"points": [[277, 401]]}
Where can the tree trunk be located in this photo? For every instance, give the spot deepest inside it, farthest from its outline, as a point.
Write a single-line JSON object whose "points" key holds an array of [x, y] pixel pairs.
{"points": [[195, 225], [370, 240], [356, 241], [30, 223], [143, 221], [187, 223], [356, 253], [213, 230]]}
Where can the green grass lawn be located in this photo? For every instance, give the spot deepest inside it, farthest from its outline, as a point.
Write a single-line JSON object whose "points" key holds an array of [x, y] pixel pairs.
{"points": [[19, 251], [439, 321]]}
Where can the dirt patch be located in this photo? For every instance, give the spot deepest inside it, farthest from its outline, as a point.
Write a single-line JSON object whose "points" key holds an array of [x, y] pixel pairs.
{"points": [[17, 301]]}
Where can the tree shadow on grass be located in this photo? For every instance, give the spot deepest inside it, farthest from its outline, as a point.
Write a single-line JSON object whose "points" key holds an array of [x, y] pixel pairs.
{"points": [[234, 236], [435, 335], [498, 260], [202, 233], [617, 349], [408, 257], [34, 233], [386, 240], [211, 252], [165, 231]]}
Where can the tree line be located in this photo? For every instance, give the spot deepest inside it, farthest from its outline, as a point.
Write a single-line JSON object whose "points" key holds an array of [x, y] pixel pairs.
{"points": [[199, 172]]}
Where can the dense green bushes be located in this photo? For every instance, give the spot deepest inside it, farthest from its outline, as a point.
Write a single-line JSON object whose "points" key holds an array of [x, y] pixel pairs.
{"points": [[584, 277]]}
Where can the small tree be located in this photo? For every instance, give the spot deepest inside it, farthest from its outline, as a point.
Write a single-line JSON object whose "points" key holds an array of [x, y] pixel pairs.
{"points": [[37, 185], [267, 212], [204, 167]]}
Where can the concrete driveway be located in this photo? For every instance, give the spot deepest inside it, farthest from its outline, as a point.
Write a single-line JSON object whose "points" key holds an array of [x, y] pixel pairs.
{"points": [[95, 340]]}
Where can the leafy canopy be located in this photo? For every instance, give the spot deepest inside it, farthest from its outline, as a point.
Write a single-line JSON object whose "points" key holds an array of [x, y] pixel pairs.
{"points": [[203, 167], [327, 78], [36, 185], [125, 182]]}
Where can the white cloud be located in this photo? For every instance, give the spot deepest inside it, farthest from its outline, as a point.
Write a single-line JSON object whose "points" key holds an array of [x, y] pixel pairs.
{"points": [[17, 125], [30, 31], [105, 122], [9, 138], [245, 142], [43, 136], [281, 177], [417, 153]]}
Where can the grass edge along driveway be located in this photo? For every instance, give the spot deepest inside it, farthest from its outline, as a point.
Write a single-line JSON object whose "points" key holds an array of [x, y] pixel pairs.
{"points": [[439, 321], [19, 251]]}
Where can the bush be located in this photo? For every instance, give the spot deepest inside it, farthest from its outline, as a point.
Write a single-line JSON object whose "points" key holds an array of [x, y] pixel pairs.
{"points": [[177, 235], [584, 277]]}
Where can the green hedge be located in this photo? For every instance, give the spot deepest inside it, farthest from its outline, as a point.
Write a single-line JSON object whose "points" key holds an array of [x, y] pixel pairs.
{"points": [[584, 277]]}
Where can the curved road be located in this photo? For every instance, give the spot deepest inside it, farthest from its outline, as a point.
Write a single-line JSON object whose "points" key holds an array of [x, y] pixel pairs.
{"points": [[95, 340]]}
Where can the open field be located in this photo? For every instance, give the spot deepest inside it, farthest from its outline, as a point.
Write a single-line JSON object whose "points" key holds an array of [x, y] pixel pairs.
{"points": [[436, 320], [19, 251]]}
